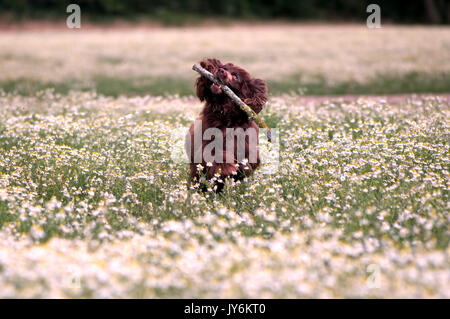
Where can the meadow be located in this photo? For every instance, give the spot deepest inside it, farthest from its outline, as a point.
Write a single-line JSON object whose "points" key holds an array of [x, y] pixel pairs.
{"points": [[93, 202], [294, 59]]}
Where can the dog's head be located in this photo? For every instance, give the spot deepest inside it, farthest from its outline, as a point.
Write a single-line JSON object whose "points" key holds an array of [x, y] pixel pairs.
{"points": [[252, 91]]}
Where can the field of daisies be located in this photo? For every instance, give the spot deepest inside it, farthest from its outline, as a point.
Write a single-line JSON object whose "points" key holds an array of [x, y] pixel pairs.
{"points": [[93, 202], [352, 199]]}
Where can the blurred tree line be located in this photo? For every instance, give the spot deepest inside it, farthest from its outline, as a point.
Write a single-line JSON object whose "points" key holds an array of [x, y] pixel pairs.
{"points": [[402, 11]]}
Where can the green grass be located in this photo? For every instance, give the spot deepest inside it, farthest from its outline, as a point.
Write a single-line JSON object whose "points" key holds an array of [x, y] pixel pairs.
{"points": [[114, 86], [358, 184], [56, 160], [413, 82]]}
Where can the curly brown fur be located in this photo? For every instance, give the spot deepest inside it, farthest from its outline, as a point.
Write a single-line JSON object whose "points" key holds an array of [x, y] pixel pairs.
{"points": [[221, 112]]}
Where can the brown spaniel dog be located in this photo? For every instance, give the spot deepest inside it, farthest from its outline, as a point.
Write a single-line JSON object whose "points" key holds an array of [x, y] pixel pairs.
{"points": [[235, 151]]}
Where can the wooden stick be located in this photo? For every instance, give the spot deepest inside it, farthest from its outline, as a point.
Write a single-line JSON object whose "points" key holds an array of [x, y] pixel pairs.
{"points": [[244, 107]]}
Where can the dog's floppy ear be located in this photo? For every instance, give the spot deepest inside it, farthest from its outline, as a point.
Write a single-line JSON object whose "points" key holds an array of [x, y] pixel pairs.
{"points": [[202, 84], [201, 88], [255, 94]]}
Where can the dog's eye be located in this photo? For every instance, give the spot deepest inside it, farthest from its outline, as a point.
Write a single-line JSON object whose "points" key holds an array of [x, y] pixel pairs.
{"points": [[235, 77]]}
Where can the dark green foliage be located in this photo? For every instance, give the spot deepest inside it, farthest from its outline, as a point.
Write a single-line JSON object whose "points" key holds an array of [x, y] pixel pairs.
{"points": [[188, 11]]}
